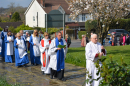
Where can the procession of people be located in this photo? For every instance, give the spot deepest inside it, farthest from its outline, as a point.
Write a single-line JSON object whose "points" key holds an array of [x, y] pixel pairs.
{"points": [[44, 52], [49, 53]]}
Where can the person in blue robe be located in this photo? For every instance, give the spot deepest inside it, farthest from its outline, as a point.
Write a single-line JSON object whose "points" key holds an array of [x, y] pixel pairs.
{"points": [[57, 57], [9, 40], [3, 34], [21, 57], [22, 36], [34, 48]]}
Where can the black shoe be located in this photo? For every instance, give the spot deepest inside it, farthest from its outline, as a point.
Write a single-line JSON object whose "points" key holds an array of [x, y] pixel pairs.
{"points": [[43, 72], [25, 65], [36, 64], [32, 64], [51, 76], [63, 79]]}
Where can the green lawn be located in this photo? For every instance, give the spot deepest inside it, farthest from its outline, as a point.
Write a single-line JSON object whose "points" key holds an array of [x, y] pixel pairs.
{"points": [[76, 56]]}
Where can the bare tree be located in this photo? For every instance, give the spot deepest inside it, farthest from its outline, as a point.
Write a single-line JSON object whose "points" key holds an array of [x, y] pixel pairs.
{"points": [[11, 7], [1, 9]]}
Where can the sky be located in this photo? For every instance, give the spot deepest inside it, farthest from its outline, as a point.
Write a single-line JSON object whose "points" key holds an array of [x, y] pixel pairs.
{"points": [[24, 3]]}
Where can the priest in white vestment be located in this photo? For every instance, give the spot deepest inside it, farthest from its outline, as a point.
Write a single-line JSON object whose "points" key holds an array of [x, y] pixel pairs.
{"points": [[45, 58], [3, 34], [9, 47], [21, 56], [93, 53], [34, 48], [57, 57]]}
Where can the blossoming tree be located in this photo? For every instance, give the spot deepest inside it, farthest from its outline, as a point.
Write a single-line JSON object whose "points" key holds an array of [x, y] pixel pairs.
{"points": [[104, 11]]}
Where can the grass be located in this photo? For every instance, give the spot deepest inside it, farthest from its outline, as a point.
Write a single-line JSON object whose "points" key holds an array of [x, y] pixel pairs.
{"points": [[3, 82], [76, 56]]}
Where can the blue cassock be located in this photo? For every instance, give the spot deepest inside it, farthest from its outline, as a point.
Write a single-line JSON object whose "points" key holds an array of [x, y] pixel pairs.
{"points": [[3, 45], [20, 61], [8, 58], [34, 60], [60, 56]]}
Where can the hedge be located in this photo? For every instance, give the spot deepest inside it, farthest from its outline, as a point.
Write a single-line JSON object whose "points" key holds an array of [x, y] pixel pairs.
{"points": [[1, 29], [80, 33]]}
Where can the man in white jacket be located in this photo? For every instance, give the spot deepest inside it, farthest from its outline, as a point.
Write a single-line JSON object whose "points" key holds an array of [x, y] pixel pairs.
{"points": [[57, 57]]}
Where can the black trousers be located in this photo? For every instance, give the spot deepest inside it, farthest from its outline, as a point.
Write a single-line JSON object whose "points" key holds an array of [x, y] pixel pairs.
{"points": [[57, 74]]}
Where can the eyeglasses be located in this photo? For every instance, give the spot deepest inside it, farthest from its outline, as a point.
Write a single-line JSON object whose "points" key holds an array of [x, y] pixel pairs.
{"points": [[19, 36], [46, 35]]}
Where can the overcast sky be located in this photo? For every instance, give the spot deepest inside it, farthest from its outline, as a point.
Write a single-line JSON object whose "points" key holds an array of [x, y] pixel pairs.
{"points": [[5, 3]]}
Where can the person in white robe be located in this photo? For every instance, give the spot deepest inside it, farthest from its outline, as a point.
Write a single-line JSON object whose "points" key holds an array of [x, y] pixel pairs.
{"points": [[9, 48], [21, 57], [57, 57], [45, 58], [93, 53], [3, 34], [34, 48]]}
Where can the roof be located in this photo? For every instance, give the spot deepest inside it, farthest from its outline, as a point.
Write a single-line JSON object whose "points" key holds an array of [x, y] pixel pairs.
{"points": [[54, 4], [14, 24], [73, 24]]}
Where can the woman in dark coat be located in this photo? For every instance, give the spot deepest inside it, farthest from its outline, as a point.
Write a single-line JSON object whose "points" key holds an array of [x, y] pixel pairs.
{"points": [[127, 39], [121, 39], [114, 41]]}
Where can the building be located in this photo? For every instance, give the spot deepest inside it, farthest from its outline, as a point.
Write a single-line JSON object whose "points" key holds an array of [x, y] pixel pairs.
{"points": [[54, 13]]}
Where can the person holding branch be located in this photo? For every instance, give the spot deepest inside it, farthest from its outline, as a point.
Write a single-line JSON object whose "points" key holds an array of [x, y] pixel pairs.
{"points": [[57, 52]]}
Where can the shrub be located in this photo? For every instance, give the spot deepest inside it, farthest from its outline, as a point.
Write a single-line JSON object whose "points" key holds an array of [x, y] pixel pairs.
{"points": [[112, 73], [80, 33], [23, 27], [12, 29], [16, 17], [0, 19], [1, 29]]}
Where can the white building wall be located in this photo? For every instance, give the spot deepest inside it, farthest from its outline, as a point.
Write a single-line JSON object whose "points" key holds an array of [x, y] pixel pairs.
{"points": [[87, 17], [32, 12]]}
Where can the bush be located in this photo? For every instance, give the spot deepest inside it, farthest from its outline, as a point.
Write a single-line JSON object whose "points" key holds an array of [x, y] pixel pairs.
{"points": [[90, 25], [23, 27], [1, 29], [12, 29], [16, 17], [120, 24], [80, 33], [0, 19], [112, 73]]}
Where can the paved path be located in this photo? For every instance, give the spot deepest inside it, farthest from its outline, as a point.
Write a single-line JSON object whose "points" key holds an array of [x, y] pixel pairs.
{"points": [[77, 43], [31, 76]]}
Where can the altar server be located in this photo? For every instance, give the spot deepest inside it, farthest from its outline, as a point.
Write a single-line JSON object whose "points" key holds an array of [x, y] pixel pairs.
{"points": [[3, 34], [9, 48], [57, 57], [21, 57], [34, 48], [93, 53], [45, 58]]}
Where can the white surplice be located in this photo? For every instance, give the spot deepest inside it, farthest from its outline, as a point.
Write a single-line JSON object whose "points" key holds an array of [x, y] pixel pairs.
{"points": [[53, 54], [91, 50], [21, 47], [36, 49], [10, 45], [42, 50]]}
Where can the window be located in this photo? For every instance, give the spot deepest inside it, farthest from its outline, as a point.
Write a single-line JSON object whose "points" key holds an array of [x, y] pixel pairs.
{"points": [[83, 17], [69, 19], [33, 18]]}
